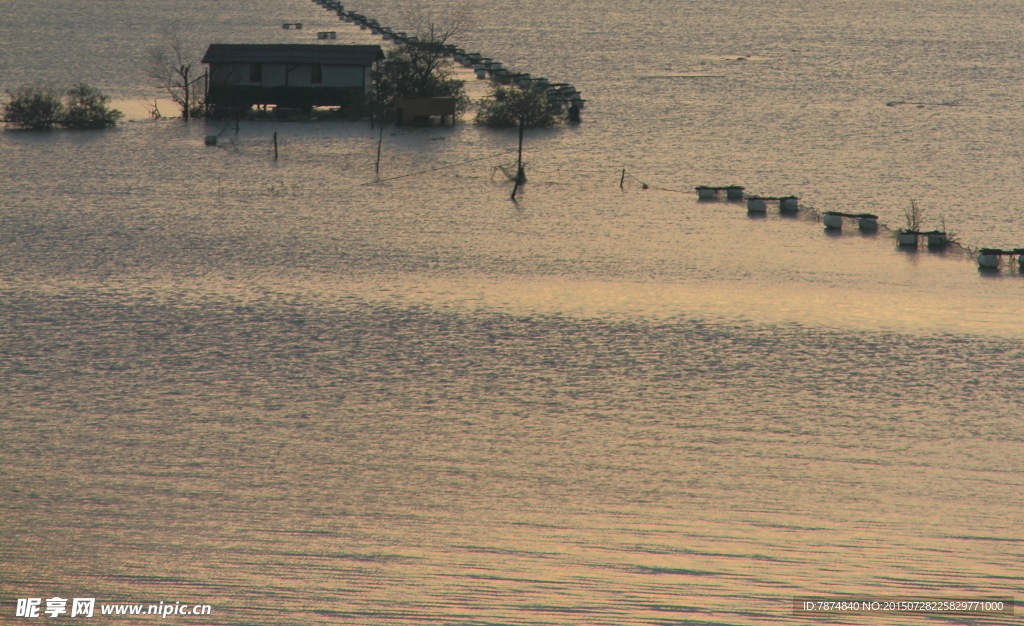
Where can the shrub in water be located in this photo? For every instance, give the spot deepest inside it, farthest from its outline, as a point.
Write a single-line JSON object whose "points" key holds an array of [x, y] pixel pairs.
{"points": [[37, 108], [511, 104], [86, 107], [40, 108], [418, 70]]}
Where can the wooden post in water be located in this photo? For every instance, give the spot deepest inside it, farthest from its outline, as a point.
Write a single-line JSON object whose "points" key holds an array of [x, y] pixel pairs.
{"points": [[379, 142], [622, 181], [275, 145], [520, 174], [522, 123]]}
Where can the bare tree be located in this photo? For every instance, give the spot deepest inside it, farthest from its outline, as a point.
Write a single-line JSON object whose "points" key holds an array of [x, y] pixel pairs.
{"points": [[420, 67], [174, 68], [439, 29]]}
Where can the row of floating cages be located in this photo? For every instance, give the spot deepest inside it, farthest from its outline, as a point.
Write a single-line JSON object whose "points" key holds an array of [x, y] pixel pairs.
{"points": [[363, 21], [485, 67], [988, 258], [867, 222], [707, 192], [755, 203], [759, 204], [909, 238], [991, 258], [563, 89]]}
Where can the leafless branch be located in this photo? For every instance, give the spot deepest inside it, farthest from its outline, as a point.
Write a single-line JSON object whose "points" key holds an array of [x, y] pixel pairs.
{"points": [[171, 65]]}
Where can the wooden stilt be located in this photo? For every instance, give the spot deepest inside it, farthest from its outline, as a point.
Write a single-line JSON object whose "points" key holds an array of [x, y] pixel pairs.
{"points": [[379, 142]]}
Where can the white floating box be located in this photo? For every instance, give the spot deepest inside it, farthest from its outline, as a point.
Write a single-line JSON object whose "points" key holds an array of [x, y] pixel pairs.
{"points": [[868, 224], [988, 261], [906, 239], [757, 205], [833, 221]]}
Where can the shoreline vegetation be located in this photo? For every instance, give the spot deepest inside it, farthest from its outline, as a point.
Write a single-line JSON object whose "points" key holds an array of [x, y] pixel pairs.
{"points": [[41, 108]]}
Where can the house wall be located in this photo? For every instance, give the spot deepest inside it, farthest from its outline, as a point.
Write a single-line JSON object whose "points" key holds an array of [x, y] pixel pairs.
{"points": [[341, 76], [297, 75], [229, 74]]}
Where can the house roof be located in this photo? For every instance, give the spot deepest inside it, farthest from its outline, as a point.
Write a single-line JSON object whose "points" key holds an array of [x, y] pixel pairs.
{"points": [[324, 54]]}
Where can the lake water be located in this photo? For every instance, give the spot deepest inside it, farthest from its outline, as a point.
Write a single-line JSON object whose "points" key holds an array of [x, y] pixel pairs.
{"points": [[304, 396]]}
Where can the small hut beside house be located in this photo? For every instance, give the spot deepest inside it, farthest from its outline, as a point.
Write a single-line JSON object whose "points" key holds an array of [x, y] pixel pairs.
{"points": [[408, 109], [289, 75]]}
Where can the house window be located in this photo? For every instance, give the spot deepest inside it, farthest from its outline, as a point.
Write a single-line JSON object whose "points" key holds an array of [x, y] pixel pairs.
{"points": [[317, 75], [255, 73]]}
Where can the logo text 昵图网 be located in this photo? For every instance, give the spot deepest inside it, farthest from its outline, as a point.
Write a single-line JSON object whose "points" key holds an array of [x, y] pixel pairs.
{"points": [[87, 607]]}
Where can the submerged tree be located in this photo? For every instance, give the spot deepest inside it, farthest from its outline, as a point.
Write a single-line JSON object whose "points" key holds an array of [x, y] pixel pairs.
{"points": [[421, 69], [508, 106], [175, 70], [914, 216], [86, 107], [37, 108]]}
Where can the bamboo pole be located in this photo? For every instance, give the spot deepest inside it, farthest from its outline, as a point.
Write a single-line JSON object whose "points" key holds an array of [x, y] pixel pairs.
{"points": [[520, 174], [379, 142]]}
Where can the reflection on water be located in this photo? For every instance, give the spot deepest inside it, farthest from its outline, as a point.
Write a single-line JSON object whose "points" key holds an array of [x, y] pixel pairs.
{"points": [[303, 395], [294, 461]]}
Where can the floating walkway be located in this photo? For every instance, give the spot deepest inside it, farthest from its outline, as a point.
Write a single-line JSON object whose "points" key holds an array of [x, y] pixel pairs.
{"points": [[732, 192], [755, 203], [867, 222], [936, 238], [988, 258], [759, 204], [486, 68], [991, 258]]}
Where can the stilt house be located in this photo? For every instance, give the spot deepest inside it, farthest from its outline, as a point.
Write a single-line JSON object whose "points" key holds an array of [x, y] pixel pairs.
{"points": [[289, 75]]}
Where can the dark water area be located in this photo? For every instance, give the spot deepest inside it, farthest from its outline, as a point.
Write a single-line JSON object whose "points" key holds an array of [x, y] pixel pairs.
{"points": [[302, 395]]}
